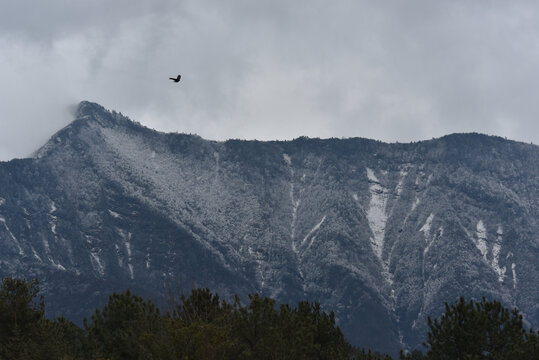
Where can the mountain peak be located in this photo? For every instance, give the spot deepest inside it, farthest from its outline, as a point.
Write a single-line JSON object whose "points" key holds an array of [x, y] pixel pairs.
{"points": [[96, 112], [86, 114], [89, 109]]}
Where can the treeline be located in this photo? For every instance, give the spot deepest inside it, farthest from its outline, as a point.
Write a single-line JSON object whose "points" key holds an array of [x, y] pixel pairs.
{"points": [[200, 326], [203, 326]]}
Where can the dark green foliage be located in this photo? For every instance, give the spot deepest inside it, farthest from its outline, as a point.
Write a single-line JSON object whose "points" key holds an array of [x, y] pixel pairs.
{"points": [[202, 326], [21, 314], [201, 305], [265, 332], [199, 328], [482, 330], [124, 328], [24, 331]]}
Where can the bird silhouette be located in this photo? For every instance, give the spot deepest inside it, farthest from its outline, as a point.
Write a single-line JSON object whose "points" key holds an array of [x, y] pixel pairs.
{"points": [[177, 79]]}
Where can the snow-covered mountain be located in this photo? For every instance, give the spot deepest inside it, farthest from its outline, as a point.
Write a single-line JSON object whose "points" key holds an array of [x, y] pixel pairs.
{"points": [[381, 233]]}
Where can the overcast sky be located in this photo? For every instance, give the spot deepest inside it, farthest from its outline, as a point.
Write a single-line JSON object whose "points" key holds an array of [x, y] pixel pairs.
{"points": [[275, 69]]}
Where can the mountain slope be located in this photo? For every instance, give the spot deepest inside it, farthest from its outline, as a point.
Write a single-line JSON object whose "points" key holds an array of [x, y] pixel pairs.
{"points": [[381, 233]]}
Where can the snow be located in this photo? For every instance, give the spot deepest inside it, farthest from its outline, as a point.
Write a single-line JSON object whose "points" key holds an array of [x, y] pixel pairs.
{"points": [[13, 238], [46, 245], [35, 254], [514, 270], [482, 245], [376, 213], [131, 273], [96, 263], [148, 260], [53, 217], [313, 230], [426, 231], [400, 186], [128, 246], [287, 159], [113, 214], [127, 243], [57, 265], [295, 203], [414, 205], [429, 243], [119, 256], [371, 176], [481, 241], [496, 248], [426, 227], [377, 219]]}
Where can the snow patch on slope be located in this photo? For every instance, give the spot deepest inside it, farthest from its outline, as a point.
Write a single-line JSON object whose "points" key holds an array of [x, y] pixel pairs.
{"points": [[97, 264], [481, 243], [57, 265], [35, 254], [400, 186], [313, 230], [414, 205], [127, 244], [514, 271], [496, 248], [481, 240], [295, 202], [287, 159], [53, 220], [376, 213], [13, 238], [426, 227], [119, 256], [114, 214], [429, 240], [377, 219]]}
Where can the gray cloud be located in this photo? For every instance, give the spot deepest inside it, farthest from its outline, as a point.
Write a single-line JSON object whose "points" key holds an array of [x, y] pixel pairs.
{"points": [[390, 70]]}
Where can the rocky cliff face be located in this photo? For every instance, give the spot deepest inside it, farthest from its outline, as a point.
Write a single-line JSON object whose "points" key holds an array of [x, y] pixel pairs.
{"points": [[383, 234]]}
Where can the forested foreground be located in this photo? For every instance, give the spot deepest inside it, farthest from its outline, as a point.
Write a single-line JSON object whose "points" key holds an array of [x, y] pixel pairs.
{"points": [[203, 326]]}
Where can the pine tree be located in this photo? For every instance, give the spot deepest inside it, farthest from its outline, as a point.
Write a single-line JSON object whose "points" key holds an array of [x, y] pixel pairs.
{"points": [[482, 330], [127, 327]]}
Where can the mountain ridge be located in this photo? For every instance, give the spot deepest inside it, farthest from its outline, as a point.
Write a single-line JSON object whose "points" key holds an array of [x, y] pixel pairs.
{"points": [[381, 233]]}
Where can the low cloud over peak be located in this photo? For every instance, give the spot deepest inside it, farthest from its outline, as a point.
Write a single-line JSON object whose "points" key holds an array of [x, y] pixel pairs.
{"points": [[278, 70]]}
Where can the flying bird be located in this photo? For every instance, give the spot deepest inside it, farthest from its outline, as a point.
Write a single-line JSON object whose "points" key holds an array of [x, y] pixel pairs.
{"points": [[177, 79]]}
